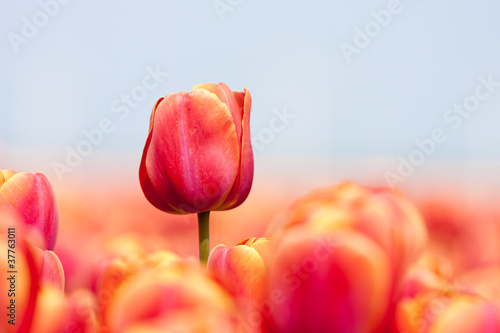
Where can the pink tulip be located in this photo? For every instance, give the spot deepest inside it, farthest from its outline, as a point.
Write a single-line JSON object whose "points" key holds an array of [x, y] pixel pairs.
{"points": [[198, 154], [31, 197]]}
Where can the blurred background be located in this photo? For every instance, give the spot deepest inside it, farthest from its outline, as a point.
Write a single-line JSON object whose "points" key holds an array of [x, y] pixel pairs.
{"points": [[400, 93]]}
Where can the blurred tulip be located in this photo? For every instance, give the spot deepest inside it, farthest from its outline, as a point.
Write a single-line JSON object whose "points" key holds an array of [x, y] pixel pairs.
{"points": [[383, 214], [464, 232], [176, 297], [20, 281], [57, 313], [327, 282], [51, 270], [32, 198], [467, 315], [241, 270], [80, 313], [121, 270], [448, 310], [198, 154]]}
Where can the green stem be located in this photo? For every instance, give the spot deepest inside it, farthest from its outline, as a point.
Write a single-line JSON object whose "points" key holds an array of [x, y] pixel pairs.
{"points": [[204, 236]]}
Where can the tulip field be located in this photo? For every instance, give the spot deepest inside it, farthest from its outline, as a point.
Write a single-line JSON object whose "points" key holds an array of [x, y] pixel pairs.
{"points": [[185, 251]]}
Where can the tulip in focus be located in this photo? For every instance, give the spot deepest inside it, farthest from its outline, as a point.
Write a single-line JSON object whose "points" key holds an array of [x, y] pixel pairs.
{"points": [[198, 154], [241, 270], [31, 197]]}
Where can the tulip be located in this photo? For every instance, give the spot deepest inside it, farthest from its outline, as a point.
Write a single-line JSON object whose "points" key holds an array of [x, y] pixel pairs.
{"points": [[241, 271], [198, 154], [383, 214], [449, 310], [469, 316], [58, 313], [31, 197], [171, 298], [321, 282], [120, 271], [20, 280]]}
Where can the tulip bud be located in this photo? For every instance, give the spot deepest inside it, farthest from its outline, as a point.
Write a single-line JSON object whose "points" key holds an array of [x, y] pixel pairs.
{"points": [[242, 272], [31, 197], [338, 282], [198, 154]]}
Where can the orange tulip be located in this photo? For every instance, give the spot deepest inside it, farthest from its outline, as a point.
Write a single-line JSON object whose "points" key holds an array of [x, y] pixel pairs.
{"points": [[383, 214], [241, 270], [337, 282], [198, 154], [31, 197]]}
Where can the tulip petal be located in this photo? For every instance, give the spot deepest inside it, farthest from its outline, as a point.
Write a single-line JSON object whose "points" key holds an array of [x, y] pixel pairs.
{"points": [[243, 183], [197, 153], [163, 197], [226, 96]]}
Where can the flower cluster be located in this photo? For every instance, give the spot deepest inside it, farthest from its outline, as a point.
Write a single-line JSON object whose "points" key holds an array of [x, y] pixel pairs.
{"points": [[343, 258]]}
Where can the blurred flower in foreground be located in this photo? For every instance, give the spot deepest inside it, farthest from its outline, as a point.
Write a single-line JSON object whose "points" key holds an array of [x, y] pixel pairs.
{"points": [[327, 282], [57, 313], [198, 154], [20, 280], [241, 270], [173, 297], [383, 214], [121, 270], [31, 197]]}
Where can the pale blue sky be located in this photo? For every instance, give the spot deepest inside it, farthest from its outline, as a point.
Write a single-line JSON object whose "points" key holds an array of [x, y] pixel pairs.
{"points": [[65, 79]]}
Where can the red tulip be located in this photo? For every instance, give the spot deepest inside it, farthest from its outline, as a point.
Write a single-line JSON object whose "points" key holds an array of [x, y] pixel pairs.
{"points": [[198, 154], [31, 197]]}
